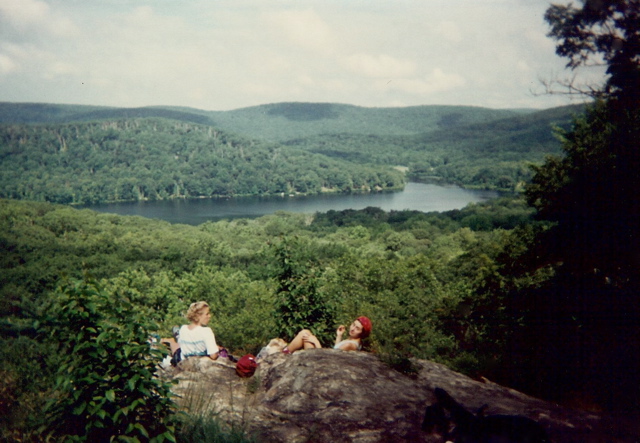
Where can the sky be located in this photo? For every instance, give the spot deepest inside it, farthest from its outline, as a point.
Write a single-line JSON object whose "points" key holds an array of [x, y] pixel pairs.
{"points": [[228, 54]]}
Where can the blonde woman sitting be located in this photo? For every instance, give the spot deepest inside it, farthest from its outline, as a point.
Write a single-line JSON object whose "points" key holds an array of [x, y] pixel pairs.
{"points": [[195, 339]]}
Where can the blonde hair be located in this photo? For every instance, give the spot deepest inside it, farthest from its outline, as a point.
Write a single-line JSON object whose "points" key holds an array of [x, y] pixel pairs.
{"points": [[195, 310]]}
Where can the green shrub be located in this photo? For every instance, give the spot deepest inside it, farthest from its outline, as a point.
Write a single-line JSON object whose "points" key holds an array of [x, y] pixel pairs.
{"points": [[26, 378], [106, 387], [300, 302], [210, 429]]}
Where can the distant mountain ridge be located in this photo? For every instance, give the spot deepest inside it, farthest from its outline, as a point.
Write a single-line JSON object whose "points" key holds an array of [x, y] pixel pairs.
{"points": [[285, 121], [34, 113], [252, 121]]}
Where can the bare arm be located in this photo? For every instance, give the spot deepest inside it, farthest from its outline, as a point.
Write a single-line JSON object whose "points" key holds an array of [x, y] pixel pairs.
{"points": [[339, 334]]}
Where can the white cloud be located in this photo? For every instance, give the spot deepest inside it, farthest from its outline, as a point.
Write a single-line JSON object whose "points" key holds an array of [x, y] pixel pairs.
{"points": [[228, 54], [303, 28], [378, 66], [33, 15], [436, 81], [7, 65], [26, 58], [450, 31], [24, 13], [523, 66]]}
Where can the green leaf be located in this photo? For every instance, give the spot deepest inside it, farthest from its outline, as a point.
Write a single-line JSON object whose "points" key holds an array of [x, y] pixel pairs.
{"points": [[79, 409], [170, 437], [132, 382], [111, 395], [142, 430]]}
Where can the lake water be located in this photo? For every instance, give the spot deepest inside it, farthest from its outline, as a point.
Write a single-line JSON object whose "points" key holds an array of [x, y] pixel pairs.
{"points": [[415, 196]]}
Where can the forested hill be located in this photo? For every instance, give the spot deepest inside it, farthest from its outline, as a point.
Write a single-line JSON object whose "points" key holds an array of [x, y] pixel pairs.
{"points": [[492, 154], [29, 113], [285, 121], [150, 158], [278, 121], [84, 154]]}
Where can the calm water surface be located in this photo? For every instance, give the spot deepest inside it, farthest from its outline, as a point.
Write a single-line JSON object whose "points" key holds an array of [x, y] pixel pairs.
{"points": [[416, 196]]}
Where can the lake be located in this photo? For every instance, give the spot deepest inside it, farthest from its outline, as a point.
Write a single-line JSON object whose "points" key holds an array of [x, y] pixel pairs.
{"points": [[415, 196]]}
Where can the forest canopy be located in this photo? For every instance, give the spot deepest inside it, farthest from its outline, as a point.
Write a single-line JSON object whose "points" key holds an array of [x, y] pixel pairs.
{"points": [[84, 155], [142, 159]]}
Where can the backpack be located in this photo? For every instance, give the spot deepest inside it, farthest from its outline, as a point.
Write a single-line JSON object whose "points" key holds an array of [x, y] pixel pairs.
{"points": [[246, 366], [177, 356]]}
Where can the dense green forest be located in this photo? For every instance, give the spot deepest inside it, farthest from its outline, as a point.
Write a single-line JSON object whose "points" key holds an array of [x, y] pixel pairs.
{"points": [[416, 275], [142, 159], [487, 155], [468, 146], [80, 154]]}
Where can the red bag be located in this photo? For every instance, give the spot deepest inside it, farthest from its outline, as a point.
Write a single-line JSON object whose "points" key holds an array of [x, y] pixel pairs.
{"points": [[246, 366]]}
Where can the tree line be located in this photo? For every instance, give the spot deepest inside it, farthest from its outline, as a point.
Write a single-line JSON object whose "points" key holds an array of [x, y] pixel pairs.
{"points": [[150, 159]]}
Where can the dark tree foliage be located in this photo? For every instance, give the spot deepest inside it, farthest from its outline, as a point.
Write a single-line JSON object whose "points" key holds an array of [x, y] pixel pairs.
{"points": [[605, 31], [586, 318], [593, 191]]}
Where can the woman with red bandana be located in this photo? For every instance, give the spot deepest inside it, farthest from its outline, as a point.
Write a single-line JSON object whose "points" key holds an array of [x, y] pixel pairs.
{"points": [[359, 330]]}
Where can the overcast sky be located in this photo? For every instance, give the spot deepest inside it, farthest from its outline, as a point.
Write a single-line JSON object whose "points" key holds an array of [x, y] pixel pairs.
{"points": [[228, 54]]}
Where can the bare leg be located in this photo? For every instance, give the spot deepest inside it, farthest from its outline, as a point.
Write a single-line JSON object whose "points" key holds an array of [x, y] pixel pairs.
{"points": [[304, 340]]}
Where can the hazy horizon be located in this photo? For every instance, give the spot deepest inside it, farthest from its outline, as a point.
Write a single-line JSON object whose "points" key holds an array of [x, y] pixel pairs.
{"points": [[531, 109]]}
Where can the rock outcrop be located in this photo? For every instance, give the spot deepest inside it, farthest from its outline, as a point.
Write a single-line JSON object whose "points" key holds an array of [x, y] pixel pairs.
{"points": [[334, 396]]}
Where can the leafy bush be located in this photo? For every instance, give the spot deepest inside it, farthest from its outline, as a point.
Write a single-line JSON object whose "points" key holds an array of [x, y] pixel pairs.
{"points": [[300, 302], [25, 384], [106, 387]]}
